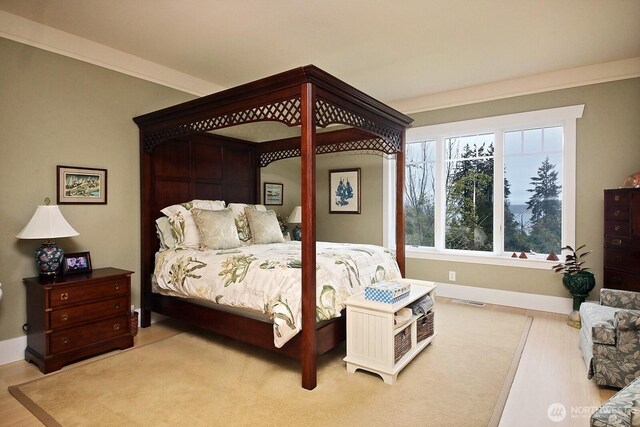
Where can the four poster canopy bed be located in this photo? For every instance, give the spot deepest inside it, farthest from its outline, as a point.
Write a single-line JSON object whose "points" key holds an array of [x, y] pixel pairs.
{"points": [[188, 173]]}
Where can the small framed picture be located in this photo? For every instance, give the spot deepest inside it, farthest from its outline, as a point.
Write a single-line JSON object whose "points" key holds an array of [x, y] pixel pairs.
{"points": [[273, 193], [77, 185], [344, 191], [78, 262]]}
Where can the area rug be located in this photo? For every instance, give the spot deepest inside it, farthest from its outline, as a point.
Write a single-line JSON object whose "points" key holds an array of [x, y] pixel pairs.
{"points": [[194, 378]]}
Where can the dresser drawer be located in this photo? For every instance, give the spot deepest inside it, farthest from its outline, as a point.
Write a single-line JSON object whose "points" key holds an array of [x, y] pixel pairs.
{"points": [[616, 212], [622, 260], [616, 197], [621, 280], [616, 228], [68, 339], [622, 243], [69, 295], [68, 316]]}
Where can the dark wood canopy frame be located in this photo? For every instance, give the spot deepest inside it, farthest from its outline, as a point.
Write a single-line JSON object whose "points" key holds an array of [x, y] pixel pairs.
{"points": [[181, 160]]}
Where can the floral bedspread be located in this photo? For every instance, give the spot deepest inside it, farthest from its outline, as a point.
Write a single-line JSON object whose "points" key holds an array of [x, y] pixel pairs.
{"points": [[267, 278]]}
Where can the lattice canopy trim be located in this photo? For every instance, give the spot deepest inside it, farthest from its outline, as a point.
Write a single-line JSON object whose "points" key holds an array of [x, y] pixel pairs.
{"points": [[327, 113], [289, 113], [370, 146]]}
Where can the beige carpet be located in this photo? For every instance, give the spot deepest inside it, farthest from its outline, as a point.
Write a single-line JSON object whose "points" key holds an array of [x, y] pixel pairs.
{"points": [[193, 378]]}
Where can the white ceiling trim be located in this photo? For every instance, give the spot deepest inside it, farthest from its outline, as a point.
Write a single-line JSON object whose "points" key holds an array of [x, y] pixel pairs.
{"points": [[44, 37], [581, 76]]}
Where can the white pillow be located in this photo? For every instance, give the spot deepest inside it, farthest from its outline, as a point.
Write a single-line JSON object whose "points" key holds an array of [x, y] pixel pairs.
{"points": [[264, 226], [242, 225], [182, 224], [217, 229]]}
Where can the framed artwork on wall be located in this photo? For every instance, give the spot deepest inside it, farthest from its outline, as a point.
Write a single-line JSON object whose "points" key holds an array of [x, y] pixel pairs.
{"points": [[77, 262], [344, 191], [273, 193], [78, 185]]}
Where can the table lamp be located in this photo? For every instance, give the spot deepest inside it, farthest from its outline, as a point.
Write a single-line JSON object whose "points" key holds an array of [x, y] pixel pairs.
{"points": [[296, 218], [47, 223]]}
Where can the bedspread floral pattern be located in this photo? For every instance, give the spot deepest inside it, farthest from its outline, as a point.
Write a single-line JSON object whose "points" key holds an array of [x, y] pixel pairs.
{"points": [[267, 278]]}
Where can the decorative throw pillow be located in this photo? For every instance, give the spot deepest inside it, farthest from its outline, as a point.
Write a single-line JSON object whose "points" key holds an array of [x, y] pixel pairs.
{"points": [[242, 225], [165, 233], [182, 224], [217, 229], [264, 226]]}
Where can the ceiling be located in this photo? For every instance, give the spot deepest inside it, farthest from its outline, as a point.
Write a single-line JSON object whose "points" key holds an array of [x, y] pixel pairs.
{"points": [[391, 50]]}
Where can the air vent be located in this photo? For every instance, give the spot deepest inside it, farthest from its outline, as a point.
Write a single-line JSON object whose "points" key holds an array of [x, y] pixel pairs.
{"points": [[469, 302]]}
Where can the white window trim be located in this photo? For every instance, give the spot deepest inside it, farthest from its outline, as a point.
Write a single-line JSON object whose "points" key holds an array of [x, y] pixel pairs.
{"points": [[564, 116]]}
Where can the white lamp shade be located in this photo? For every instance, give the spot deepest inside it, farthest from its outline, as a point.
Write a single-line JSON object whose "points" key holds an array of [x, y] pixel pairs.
{"points": [[47, 223], [296, 215]]}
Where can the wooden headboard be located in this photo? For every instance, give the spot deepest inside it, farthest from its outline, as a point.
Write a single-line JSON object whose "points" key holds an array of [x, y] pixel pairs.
{"points": [[197, 166]]}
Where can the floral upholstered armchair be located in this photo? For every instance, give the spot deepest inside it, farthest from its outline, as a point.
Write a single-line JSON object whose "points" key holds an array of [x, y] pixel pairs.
{"points": [[610, 337]]}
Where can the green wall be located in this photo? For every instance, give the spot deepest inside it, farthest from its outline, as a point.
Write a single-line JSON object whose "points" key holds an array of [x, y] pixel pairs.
{"points": [[608, 150], [59, 111]]}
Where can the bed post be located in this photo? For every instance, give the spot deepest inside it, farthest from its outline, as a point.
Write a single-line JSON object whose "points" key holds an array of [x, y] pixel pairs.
{"points": [[146, 219], [308, 354], [400, 230]]}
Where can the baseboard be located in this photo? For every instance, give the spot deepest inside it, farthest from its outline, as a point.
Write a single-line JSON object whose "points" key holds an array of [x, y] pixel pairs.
{"points": [[12, 350], [509, 298]]}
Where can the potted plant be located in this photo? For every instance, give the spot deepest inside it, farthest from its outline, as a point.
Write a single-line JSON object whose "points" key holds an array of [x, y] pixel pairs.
{"points": [[578, 280]]}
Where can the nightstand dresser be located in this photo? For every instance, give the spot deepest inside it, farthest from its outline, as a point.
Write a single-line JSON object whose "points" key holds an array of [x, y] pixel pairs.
{"points": [[77, 316]]}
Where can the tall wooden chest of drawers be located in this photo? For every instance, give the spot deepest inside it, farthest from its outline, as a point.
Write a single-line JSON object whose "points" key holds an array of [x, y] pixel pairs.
{"points": [[622, 239], [73, 317]]}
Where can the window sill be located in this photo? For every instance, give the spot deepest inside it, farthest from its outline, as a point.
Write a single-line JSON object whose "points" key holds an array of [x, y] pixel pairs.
{"points": [[479, 258]]}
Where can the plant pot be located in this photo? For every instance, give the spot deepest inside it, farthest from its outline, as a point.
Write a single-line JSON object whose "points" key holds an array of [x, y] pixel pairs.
{"points": [[579, 285]]}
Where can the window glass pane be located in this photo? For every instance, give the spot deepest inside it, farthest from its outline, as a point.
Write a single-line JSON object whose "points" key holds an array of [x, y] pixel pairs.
{"points": [[469, 192], [533, 192], [532, 140], [512, 143], [419, 199], [553, 138]]}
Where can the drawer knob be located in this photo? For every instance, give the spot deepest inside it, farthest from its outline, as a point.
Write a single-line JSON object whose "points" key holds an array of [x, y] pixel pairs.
{"points": [[617, 228], [116, 327], [616, 242], [116, 286], [617, 212], [65, 317], [116, 306], [616, 198], [64, 296], [66, 340]]}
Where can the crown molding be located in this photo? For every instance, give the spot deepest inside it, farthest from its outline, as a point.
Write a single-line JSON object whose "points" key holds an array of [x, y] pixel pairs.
{"points": [[573, 77], [47, 38]]}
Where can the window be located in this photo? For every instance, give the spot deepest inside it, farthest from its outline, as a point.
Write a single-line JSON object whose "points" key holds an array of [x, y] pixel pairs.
{"points": [[488, 188]]}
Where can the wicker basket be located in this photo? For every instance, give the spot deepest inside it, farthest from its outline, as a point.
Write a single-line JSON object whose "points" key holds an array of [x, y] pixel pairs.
{"points": [[402, 343], [425, 326], [133, 323]]}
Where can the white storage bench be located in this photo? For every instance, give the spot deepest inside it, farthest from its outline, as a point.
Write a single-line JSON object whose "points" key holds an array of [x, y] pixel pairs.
{"points": [[375, 344]]}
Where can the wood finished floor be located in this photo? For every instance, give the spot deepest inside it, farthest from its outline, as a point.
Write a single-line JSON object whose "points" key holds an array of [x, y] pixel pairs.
{"points": [[551, 371]]}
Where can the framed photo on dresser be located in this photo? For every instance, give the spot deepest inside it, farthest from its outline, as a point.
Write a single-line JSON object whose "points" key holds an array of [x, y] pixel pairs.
{"points": [[77, 262]]}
